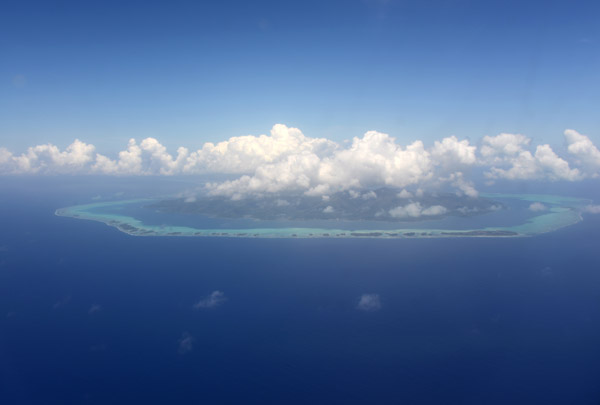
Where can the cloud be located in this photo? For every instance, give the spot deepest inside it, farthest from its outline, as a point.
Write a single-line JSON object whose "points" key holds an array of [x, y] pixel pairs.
{"points": [[186, 343], [370, 195], [214, 299], [501, 145], [94, 308], [46, 159], [537, 206], [150, 157], [405, 194], [410, 210], [585, 152], [328, 210], [434, 210], [464, 186], [375, 160], [286, 161], [592, 209], [415, 210], [508, 158], [452, 153], [365, 196], [369, 302], [245, 154]]}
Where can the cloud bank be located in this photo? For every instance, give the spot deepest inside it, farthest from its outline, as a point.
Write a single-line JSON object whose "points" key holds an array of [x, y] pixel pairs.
{"points": [[288, 161]]}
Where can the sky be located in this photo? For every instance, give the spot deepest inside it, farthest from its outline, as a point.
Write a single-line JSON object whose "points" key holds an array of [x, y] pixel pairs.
{"points": [[192, 72]]}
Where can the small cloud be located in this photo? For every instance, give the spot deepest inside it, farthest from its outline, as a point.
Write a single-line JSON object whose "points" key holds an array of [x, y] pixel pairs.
{"points": [[190, 199], [369, 195], [369, 302], [411, 210], [537, 206], [94, 308], [328, 210], [467, 210], [215, 298], [96, 197], [435, 210], [281, 203], [592, 209], [405, 194], [185, 343]]}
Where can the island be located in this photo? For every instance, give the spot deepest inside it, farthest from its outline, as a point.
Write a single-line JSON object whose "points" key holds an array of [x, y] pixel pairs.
{"points": [[379, 214]]}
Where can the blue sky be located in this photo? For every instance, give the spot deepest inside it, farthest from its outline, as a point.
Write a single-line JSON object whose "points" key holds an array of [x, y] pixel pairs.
{"points": [[191, 72]]}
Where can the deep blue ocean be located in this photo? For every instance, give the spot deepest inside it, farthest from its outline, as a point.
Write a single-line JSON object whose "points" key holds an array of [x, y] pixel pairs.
{"points": [[90, 315]]}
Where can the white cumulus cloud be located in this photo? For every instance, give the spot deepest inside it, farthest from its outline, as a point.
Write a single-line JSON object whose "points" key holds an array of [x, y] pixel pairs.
{"points": [[451, 152], [585, 152], [245, 154], [48, 158], [507, 158]]}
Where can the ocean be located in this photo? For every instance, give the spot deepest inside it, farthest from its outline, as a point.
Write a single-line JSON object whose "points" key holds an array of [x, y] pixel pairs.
{"points": [[91, 315]]}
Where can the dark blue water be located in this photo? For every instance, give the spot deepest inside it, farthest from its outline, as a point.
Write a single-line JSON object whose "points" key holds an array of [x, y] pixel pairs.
{"points": [[463, 321]]}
